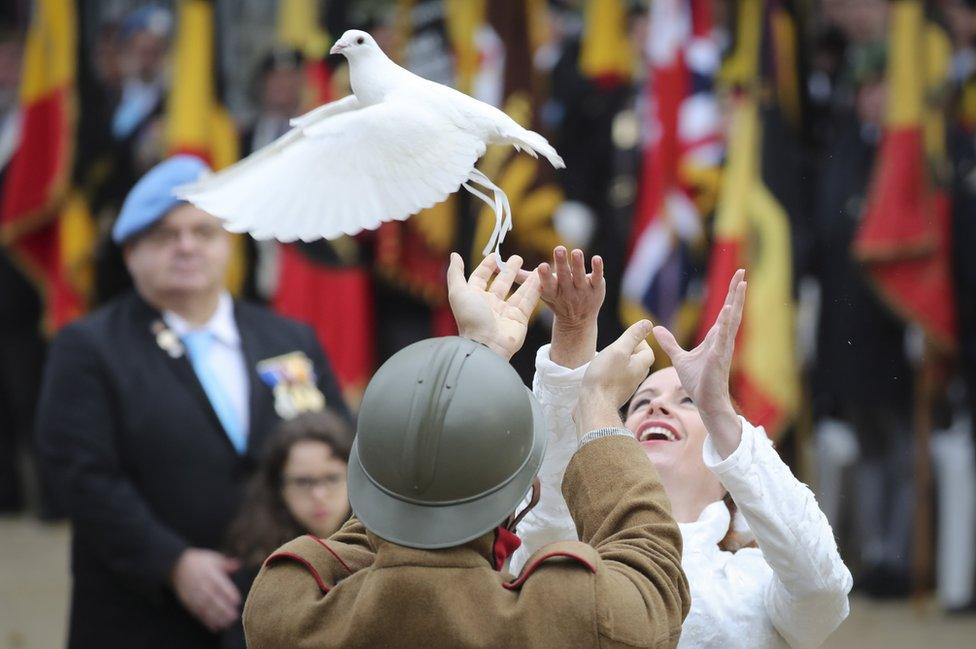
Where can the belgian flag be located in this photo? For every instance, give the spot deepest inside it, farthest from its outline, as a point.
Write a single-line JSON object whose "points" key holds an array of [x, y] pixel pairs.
{"points": [[42, 227], [903, 240], [752, 231]]}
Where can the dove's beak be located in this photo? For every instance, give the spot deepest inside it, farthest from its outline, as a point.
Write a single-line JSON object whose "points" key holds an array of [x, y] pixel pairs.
{"points": [[337, 48]]}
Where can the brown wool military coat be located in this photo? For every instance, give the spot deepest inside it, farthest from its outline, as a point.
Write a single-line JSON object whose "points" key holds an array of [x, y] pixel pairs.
{"points": [[623, 587]]}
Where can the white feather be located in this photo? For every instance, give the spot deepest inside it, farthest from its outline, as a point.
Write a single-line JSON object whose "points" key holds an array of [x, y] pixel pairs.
{"points": [[399, 144], [347, 103], [317, 190]]}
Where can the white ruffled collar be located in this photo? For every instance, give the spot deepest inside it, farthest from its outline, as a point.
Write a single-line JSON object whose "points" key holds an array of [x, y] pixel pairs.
{"points": [[710, 528]]}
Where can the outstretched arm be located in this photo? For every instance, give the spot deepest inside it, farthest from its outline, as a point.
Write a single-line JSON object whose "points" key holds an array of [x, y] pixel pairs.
{"points": [[620, 507], [704, 371], [806, 597], [575, 297]]}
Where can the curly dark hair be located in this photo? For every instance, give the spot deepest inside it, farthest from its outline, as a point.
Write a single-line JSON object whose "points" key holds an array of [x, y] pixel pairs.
{"points": [[264, 522]]}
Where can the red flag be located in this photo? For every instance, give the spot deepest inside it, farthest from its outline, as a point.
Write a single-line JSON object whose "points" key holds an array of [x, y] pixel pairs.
{"points": [[897, 218], [337, 302], [36, 182]]}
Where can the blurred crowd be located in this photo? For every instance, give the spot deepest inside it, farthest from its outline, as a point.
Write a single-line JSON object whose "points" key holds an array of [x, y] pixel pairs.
{"points": [[876, 391]]}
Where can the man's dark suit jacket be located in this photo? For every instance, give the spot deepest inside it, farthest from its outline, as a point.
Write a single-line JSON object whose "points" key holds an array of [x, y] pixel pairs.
{"points": [[129, 437]]}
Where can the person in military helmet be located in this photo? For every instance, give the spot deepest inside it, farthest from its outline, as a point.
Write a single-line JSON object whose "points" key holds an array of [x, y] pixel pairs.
{"points": [[449, 444]]}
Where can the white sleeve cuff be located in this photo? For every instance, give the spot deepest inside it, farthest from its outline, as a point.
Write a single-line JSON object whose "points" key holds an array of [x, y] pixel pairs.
{"points": [[555, 376], [741, 459], [600, 433]]}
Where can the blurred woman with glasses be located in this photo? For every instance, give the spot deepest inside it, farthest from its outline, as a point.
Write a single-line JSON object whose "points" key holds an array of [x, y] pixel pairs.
{"points": [[300, 488]]}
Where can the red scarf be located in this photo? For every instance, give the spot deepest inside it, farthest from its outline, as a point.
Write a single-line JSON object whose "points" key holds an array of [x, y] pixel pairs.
{"points": [[506, 542]]}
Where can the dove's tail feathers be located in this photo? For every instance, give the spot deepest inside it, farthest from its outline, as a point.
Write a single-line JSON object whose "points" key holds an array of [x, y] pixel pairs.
{"points": [[498, 203], [533, 143]]}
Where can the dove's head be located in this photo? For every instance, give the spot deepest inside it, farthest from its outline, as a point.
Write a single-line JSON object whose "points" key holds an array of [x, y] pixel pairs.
{"points": [[354, 43]]}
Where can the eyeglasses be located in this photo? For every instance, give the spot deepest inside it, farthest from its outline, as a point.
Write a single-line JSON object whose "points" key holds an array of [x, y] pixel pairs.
{"points": [[307, 484]]}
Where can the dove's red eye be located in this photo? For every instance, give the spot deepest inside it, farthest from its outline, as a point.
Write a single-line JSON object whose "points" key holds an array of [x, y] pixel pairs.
{"points": [[360, 40]]}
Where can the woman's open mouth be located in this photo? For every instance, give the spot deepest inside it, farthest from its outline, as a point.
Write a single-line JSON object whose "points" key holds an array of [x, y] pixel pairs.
{"points": [[653, 432]]}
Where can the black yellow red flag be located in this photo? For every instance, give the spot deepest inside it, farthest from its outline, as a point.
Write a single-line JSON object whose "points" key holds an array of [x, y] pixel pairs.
{"points": [[39, 225]]}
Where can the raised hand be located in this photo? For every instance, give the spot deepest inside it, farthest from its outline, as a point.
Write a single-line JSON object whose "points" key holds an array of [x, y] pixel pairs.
{"points": [[704, 371], [575, 298], [613, 377], [487, 314], [574, 295]]}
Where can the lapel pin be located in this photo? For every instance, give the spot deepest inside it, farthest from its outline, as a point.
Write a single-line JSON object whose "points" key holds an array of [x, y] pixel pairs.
{"points": [[168, 341]]}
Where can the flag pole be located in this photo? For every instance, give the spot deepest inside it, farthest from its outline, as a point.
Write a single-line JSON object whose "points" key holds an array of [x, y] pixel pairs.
{"points": [[922, 528]]}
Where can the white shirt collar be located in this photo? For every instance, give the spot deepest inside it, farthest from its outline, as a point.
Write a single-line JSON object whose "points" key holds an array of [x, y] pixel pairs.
{"points": [[710, 528], [221, 324]]}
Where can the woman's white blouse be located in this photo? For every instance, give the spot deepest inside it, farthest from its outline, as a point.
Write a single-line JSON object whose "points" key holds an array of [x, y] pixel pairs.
{"points": [[791, 591]]}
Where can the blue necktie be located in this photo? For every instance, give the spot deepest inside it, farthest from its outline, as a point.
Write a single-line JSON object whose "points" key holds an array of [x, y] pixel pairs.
{"points": [[198, 344]]}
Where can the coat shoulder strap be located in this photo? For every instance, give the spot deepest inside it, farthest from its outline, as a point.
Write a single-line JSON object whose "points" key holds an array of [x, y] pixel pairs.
{"points": [[327, 561], [572, 552]]}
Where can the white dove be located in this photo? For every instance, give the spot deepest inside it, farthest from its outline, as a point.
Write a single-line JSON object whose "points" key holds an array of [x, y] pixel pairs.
{"points": [[397, 145]]}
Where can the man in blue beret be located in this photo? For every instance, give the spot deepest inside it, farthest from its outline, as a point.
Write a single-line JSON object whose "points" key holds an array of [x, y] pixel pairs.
{"points": [[152, 416]]}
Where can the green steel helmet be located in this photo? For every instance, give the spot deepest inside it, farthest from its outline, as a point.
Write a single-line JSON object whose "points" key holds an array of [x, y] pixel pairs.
{"points": [[448, 443]]}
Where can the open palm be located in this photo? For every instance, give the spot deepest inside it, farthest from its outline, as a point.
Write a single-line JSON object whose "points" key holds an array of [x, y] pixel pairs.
{"points": [[704, 371], [487, 313], [573, 294]]}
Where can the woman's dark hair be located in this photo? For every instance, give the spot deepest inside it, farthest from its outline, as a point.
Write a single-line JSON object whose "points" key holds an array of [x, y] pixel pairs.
{"points": [[264, 522], [734, 541]]}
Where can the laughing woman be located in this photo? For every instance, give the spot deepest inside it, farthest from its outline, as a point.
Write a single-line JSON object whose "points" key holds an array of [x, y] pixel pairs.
{"points": [[759, 554]]}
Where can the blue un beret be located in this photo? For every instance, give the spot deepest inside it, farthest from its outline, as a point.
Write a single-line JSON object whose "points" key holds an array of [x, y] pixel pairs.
{"points": [[152, 197]]}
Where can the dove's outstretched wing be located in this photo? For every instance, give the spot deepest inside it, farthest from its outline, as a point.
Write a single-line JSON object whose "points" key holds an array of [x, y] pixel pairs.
{"points": [[341, 174], [347, 103]]}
